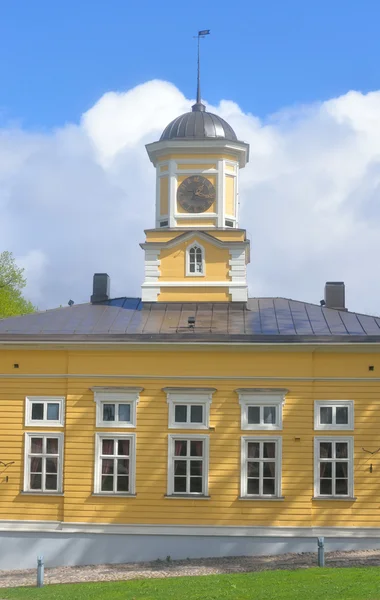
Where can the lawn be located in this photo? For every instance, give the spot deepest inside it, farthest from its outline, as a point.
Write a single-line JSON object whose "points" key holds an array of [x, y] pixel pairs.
{"points": [[309, 584]]}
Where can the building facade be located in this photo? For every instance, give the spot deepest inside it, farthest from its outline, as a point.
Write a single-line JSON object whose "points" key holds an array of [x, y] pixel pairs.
{"points": [[194, 421]]}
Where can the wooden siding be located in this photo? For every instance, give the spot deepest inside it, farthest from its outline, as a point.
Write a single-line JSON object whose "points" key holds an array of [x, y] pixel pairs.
{"points": [[72, 374]]}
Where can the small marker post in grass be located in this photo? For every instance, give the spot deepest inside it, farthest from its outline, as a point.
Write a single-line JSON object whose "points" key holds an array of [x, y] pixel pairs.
{"points": [[40, 571], [321, 552]]}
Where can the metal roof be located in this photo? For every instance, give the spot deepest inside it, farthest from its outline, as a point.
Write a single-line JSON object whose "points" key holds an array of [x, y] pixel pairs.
{"points": [[198, 125], [128, 319]]}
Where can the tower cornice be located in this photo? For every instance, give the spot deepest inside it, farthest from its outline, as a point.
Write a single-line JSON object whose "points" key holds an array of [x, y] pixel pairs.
{"points": [[157, 149]]}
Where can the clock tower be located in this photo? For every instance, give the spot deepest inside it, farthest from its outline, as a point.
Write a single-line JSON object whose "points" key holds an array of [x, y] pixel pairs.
{"points": [[196, 252]]}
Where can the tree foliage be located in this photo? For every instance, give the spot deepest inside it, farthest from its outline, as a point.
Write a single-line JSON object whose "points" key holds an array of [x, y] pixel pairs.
{"points": [[12, 282]]}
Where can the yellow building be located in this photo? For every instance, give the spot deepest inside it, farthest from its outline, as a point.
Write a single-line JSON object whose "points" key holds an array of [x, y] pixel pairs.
{"points": [[195, 421]]}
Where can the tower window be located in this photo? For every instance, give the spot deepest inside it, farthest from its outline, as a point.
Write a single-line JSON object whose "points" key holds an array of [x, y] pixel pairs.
{"points": [[229, 223], [195, 260]]}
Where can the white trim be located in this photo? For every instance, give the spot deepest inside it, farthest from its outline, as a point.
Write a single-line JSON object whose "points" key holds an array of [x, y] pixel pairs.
{"points": [[150, 294], [64, 527], [349, 404], [45, 400], [172, 191], [277, 440], [206, 453], [229, 284], [27, 447], [189, 397], [99, 436], [220, 198], [350, 441], [238, 149], [195, 244], [204, 215], [116, 396], [261, 398]]}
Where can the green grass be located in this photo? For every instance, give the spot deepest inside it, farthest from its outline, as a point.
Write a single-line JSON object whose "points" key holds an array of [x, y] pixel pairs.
{"points": [[308, 584]]}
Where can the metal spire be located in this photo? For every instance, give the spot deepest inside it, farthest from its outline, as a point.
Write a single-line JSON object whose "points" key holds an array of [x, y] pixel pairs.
{"points": [[198, 106]]}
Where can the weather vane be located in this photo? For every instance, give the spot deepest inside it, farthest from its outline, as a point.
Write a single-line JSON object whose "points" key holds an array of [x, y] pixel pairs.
{"points": [[201, 34]]}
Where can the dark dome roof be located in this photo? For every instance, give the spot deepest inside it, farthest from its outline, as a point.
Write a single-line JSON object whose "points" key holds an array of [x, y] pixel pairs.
{"points": [[198, 125]]}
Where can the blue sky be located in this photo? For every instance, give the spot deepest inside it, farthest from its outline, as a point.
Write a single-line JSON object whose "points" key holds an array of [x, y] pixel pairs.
{"points": [[58, 58]]}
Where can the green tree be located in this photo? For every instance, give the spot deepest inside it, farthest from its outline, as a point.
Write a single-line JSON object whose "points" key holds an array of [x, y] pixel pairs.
{"points": [[12, 282]]}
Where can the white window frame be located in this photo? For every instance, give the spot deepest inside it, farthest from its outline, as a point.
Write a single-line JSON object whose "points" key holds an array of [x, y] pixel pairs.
{"points": [[45, 400], [350, 441], [261, 398], [318, 404], [27, 447], [171, 457], [104, 435], [244, 461], [201, 396], [117, 396], [188, 273]]}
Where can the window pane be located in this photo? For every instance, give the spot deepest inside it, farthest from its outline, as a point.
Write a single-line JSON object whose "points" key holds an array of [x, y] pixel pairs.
{"points": [[37, 412], [180, 467], [270, 415], [108, 412], [342, 415], [196, 448], [52, 411], [124, 413], [325, 487], [326, 415], [341, 486], [122, 484], [51, 482], [35, 482], [52, 446], [253, 469], [253, 415], [325, 450], [36, 445], [268, 486], [253, 450], [180, 413], [253, 486], [196, 485], [180, 484], [196, 414], [341, 469], [107, 446], [269, 450], [107, 483], [269, 469], [107, 466], [325, 469], [196, 467], [341, 450], [52, 465], [123, 447], [123, 466], [192, 267], [180, 448], [36, 465]]}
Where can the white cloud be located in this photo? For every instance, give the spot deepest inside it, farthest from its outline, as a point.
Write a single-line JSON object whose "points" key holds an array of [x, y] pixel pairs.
{"points": [[76, 200]]}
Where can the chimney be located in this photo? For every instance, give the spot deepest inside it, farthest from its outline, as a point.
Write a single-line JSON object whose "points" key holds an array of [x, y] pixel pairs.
{"points": [[100, 288], [335, 295]]}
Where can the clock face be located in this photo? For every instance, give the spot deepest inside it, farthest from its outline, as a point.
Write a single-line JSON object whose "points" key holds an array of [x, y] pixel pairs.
{"points": [[196, 194]]}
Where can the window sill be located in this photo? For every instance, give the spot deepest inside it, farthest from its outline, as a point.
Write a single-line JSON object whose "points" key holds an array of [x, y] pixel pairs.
{"points": [[41, 493], [261, 498], [186, 497], [47, 424], [335, 498], [111, 495]]}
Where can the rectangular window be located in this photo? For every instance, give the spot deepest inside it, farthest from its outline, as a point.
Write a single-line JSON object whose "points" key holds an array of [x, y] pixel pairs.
{"points": [[114, 464], [188, 466], [43, 462], [334, 414], [116, 407], [261, 409], [333, 467], [189, 408], [261, 467], [42, 411]]}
